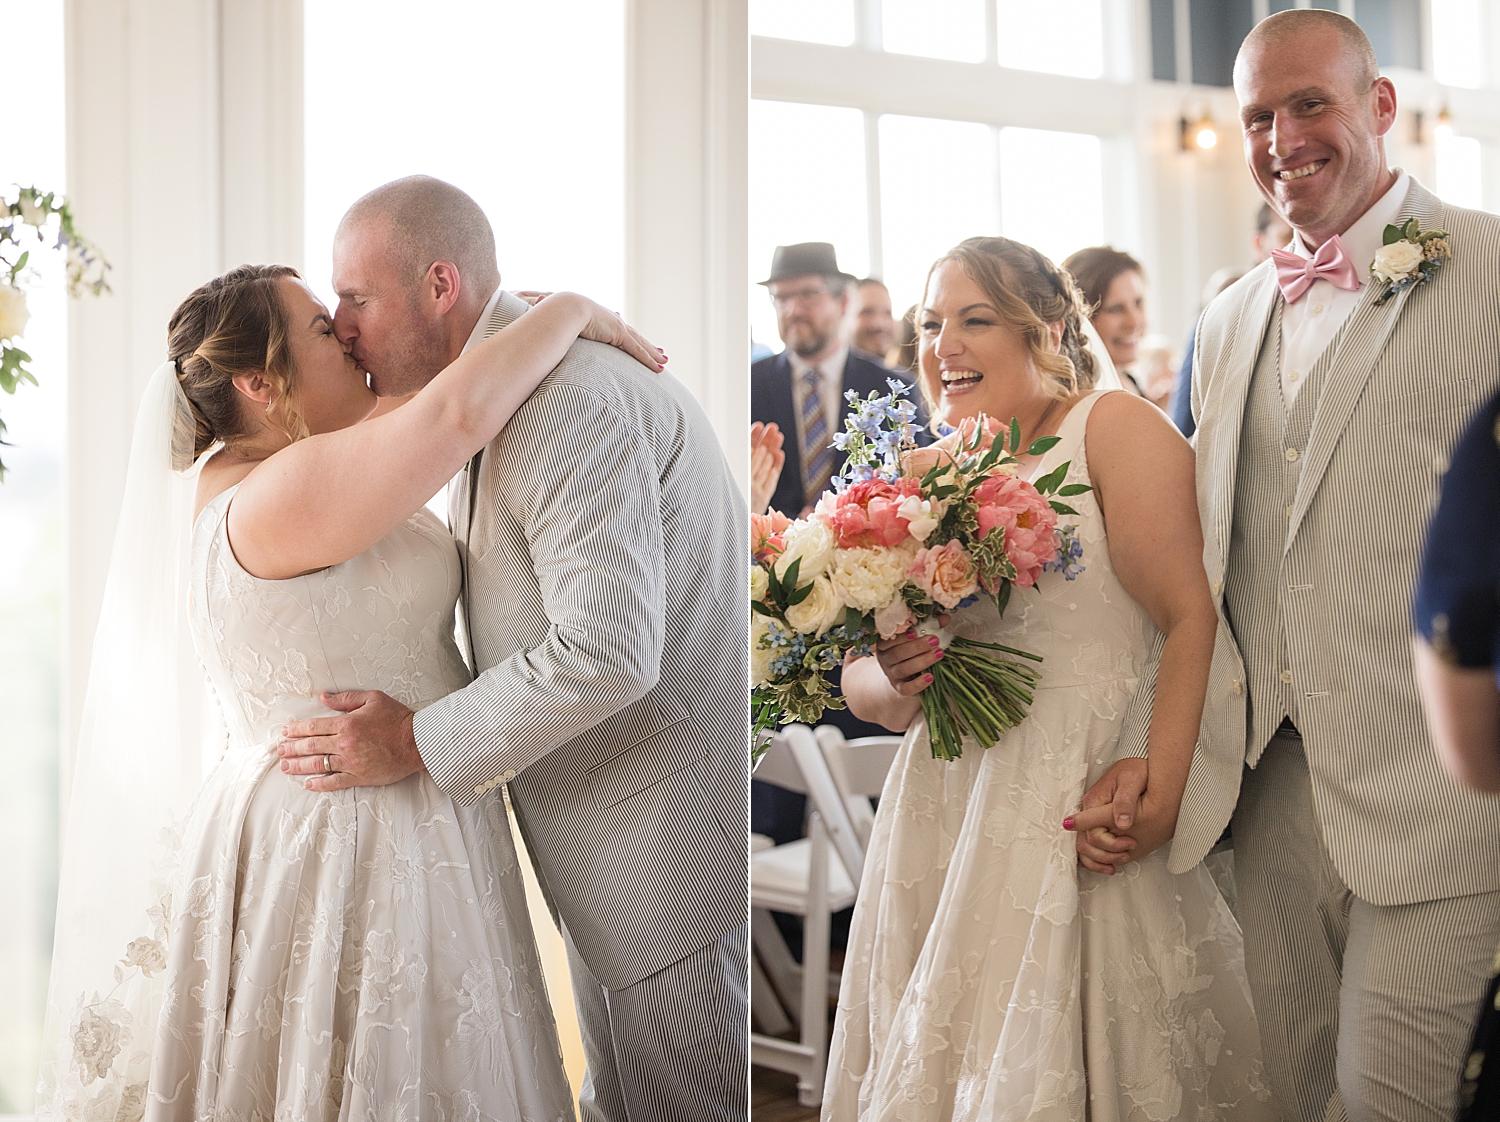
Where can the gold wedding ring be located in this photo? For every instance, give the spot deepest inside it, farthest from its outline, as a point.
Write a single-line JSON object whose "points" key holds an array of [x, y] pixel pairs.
{"points": [[327, 764]]}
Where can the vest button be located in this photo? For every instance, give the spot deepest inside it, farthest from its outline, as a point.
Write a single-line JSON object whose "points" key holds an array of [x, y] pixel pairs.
{"points": [[1286, 676], [1292, 454], [1236, 688]]}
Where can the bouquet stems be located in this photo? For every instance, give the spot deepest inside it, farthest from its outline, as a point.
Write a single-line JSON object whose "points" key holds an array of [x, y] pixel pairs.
{"points": [[977, 694]]}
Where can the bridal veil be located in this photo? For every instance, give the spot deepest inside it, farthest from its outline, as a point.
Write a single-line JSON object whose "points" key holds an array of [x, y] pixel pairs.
{"points": [[146, 736]]}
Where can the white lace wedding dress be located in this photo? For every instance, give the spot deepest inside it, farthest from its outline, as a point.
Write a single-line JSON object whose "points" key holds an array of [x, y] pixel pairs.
{"points": [[988, 976], [362, 954]]}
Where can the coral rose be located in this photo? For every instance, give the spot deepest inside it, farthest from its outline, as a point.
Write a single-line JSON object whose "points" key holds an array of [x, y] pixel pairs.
{"points": [[946, 573]]}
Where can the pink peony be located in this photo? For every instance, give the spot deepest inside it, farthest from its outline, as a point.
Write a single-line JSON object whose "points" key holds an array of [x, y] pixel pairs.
{"points": [[766, 531], [868, 514], [1029, 523], [946, 573]]}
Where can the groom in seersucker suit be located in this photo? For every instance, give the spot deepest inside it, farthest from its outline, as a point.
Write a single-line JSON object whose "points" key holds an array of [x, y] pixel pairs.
{"points": [[1368, 881], [603, 542]]}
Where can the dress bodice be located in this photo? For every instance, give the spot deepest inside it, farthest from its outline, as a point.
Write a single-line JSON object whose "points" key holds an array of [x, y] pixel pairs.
{"points": [[1090, 632], [380, 621]]}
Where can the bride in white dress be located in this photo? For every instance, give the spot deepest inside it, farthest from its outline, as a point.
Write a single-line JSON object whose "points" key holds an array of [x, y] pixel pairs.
{"points": [[364, 953], [988, 977]]}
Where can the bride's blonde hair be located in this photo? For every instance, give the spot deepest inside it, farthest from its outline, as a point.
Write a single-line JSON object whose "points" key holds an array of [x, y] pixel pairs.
{"points": [[1031, 294], [234, 324]]}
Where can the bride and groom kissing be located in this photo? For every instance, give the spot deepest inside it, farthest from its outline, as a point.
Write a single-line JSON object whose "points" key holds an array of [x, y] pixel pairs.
{"points": [[339, 928]]}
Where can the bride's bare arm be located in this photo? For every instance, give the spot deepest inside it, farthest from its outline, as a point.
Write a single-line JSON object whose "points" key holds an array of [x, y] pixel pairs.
{"points": [[330, 497], [1143, 472]]}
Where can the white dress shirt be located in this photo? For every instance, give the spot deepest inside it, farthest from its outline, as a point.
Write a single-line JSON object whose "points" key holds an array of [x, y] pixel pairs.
{"points": [[1309, 325], [477, 335]]}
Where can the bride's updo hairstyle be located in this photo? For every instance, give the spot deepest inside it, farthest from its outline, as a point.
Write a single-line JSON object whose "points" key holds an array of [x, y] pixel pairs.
{"points": [[234, 324], [1031, 294]]}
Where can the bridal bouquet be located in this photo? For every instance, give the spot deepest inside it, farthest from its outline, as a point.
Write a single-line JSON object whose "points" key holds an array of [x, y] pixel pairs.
{"points": [[906, 535]]}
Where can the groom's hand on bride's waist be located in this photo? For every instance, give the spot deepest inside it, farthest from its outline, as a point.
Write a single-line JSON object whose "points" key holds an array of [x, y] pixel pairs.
{"points": [[370, 744]]}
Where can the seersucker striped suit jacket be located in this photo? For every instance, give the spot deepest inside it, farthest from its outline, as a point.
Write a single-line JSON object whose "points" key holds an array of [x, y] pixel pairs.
{"points": [[1404, 381], [603, 542]]}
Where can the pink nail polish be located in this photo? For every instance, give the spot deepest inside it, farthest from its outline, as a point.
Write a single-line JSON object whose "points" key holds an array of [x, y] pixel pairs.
{"points": [[932, 641], [939, 654], [1068, 823]]}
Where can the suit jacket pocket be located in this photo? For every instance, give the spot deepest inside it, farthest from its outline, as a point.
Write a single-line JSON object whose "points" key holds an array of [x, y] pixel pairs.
{"points": [[644, 763]]}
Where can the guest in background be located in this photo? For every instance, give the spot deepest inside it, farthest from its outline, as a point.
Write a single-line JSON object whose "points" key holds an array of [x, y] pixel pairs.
{"points": [[903, 353], [767, 458], [802, 389], [871, 327], [1113, 284], [1457, 616], [1271, 232]]}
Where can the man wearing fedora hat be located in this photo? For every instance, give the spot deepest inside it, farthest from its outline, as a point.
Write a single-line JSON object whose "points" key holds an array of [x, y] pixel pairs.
{"points": [[802, 388], [802, 391]]}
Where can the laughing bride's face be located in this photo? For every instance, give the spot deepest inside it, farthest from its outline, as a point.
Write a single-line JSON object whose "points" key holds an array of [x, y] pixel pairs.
{"points": [[971, 360], [331, 391]]}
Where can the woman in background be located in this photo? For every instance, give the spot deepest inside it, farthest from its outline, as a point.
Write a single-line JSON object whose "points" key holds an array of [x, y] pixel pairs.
{"points": [[1113, 284]]}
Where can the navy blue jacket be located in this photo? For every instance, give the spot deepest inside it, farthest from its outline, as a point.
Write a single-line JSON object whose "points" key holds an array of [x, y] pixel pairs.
{"points": [[771, 399]]}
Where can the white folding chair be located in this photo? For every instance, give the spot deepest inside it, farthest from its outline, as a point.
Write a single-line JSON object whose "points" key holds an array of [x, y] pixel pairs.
{"points": [[859, 768], [812, 877]]}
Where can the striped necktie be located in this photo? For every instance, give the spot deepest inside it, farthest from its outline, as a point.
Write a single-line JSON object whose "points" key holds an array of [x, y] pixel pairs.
{"points": [[817, 452]]}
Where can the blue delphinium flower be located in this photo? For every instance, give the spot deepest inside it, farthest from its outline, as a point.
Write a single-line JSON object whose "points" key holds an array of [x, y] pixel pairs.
{"points": [[1069, 553]]}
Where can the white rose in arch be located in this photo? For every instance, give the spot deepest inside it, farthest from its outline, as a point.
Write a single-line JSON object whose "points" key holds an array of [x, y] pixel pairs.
{"points": [[31, 213], [13, 312], [1395, 261], [819, 610]]}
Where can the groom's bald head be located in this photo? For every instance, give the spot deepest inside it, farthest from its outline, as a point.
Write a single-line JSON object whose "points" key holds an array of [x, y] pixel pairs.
{"points": [[413, 266], [423, 220]]}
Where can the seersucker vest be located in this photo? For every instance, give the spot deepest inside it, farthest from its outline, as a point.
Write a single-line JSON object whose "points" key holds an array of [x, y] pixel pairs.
{"points": [[1272, 445]]}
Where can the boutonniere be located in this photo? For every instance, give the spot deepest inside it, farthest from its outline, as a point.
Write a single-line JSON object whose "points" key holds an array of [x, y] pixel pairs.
{"points": [[1409, 256]]}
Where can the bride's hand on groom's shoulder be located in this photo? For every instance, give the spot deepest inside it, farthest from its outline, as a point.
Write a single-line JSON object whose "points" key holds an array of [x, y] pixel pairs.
{"points": [[370, 743], [605, 326], [1120, 819]]}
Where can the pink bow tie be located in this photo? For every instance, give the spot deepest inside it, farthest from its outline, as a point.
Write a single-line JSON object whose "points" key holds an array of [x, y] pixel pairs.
{"points": [[1295, 274]]}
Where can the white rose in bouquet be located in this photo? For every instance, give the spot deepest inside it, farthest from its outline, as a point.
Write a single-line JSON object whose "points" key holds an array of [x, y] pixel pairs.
{"points": [[1397, 260], [759, 583], [13, 313], [818, 611], [810, 541]]}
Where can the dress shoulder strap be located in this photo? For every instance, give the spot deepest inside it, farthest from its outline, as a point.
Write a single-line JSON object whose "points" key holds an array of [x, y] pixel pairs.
{"points": [[1070, 433]]}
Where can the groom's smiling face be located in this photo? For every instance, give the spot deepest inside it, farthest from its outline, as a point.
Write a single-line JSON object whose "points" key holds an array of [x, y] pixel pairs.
{"points": [[380, 314]]}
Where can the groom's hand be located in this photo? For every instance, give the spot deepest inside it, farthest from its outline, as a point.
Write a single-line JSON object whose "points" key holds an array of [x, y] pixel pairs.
{"points": [[371, 745], [1108, 811]]}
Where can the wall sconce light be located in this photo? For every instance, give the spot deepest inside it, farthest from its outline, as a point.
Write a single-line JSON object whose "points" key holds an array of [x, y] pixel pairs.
{"points": [[1444, 128], [1198, 135]]}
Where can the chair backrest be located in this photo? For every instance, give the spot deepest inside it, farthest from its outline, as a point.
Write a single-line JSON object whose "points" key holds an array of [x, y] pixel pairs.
{"points": [[795, 761], [859, 768]]}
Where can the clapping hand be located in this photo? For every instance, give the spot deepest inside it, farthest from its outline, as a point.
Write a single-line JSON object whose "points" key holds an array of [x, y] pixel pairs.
{"points": [[766, 461]]}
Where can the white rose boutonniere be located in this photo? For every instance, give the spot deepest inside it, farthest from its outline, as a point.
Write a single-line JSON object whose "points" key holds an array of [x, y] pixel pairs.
{"points": [[1408, 257]]}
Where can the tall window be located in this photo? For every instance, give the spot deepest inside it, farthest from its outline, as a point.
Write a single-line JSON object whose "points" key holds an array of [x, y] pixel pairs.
{"points": [[30, 574], [534, 133]]}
